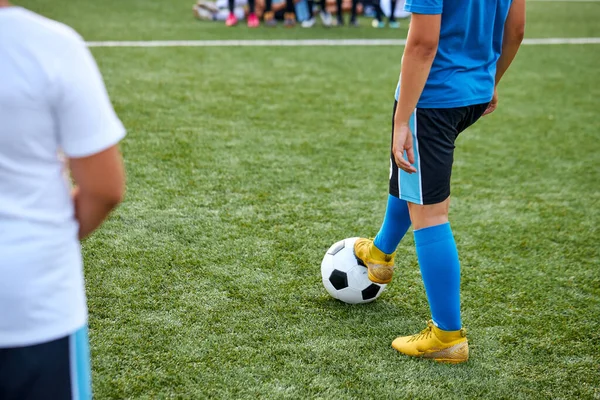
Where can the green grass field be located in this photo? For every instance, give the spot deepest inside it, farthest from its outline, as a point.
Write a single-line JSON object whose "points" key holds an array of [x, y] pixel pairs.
{"points": [[245, 164]]}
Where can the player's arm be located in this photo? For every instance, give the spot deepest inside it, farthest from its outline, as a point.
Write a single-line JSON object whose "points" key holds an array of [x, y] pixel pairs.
{"points": [[419, 53], [100, 186], [88, 132], [514, 31]]}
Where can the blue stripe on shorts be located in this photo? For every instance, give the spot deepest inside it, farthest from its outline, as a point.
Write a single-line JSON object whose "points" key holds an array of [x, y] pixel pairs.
{"points": [[79, 354], [410, 184]]}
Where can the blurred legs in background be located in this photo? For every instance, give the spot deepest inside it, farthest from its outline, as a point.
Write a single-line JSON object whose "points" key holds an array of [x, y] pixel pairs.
{"points": [[392, 19], [378, 21], [288, 11], [289, 19], [340, 18], [281, 11], [392, 8], [217, 10], [233, 20], [323, 14]]}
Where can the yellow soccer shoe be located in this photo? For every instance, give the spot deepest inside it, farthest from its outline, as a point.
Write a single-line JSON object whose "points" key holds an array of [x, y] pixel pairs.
{"points": [[432, 342], [379, 264]]}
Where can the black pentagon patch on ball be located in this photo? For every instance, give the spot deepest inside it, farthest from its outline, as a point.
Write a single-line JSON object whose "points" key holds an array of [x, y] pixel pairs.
{"points": [[339, 279], [370, 292], [338, 247]]}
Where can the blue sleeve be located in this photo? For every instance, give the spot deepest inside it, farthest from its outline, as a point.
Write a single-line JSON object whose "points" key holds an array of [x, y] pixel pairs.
{"points": [[424, 6]]}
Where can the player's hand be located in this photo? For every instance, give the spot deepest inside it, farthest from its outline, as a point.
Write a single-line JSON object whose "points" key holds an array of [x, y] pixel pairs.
{"points": [[493, 104], [403, 141]]}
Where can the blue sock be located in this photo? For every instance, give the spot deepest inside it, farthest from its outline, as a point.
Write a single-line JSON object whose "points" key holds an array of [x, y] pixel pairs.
{"points": [[440, 269], [394, 227]]}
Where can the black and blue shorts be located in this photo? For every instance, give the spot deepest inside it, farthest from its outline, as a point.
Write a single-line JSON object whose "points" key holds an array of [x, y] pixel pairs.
{"points": [[434, 133], [57, 370]]}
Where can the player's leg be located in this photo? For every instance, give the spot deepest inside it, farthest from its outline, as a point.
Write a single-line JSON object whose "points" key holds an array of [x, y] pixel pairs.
{"points": [[392, 19], [378, 255], [444, 339], [231, 18], [58, 370], [253, 21], [378, 21], [269, 15], [324, 14], [290, 14], [353, 20], [340, 12], [395, 224], [310, 22]]}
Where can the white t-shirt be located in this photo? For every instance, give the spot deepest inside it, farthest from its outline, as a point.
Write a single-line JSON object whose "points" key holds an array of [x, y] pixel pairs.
{"points": [[52, 101]]}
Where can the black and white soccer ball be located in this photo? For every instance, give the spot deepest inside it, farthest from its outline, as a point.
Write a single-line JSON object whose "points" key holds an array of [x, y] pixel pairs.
{"points": [[345, 278]]}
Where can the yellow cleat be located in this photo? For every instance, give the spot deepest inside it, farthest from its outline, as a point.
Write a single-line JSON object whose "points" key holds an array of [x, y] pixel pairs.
{"points": [[379, 264], [432, 342]]}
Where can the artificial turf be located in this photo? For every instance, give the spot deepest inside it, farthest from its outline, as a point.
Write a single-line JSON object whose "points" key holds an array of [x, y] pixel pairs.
{"points": [[245, 164]]}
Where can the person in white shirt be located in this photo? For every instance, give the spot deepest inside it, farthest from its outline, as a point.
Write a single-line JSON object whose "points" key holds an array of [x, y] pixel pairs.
{"points": [[55, 119]]}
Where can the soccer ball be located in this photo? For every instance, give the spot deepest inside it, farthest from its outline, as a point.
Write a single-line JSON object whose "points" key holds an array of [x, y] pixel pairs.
{"points": [[344, 278]]}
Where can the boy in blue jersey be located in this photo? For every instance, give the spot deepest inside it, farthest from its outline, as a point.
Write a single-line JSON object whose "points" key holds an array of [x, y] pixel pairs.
{"points": [[456, 53]]}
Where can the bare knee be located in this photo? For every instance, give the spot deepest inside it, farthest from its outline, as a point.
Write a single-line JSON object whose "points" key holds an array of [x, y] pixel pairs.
{"points": [[424, 216]]}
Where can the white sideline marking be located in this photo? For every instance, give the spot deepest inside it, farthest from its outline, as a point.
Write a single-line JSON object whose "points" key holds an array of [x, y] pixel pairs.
{"points": [[313, 42], [589, 40], [251, 43]]}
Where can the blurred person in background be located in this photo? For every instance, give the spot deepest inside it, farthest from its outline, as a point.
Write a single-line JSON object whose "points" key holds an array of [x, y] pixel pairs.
{"points": [[353, 13], [323, 14], [271, 12], [283, 10], [219, 10], [399, 8], [378, 21], [377, 10], [252, 20], [53, 108]]}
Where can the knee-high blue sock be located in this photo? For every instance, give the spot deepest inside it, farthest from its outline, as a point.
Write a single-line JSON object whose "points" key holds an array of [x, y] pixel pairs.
{"points": [[394, 227], [440, 269]]}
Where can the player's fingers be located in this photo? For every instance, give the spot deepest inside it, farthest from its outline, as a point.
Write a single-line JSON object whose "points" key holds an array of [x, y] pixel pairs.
{"points": [[410, 169], [397, 160], [410, 155], [492, 106], [404, 165]]}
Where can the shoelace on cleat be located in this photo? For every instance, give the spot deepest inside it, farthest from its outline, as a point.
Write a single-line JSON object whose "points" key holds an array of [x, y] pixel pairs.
{"points": [[424, 334]]}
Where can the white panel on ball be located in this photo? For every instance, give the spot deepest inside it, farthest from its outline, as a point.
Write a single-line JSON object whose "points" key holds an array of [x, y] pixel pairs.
{"points": [[350, 296]]}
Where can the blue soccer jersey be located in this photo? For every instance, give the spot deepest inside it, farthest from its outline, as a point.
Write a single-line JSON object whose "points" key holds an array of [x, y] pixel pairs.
{"points": [[464, 68]]}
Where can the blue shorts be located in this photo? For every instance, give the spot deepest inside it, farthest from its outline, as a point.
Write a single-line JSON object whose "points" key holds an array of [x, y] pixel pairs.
{"points": [[434, 132], [57, 370]]}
